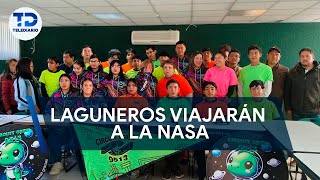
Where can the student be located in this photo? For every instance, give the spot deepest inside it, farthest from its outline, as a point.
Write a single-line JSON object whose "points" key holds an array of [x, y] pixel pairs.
{"points": [[302, 88], [25, 85], [181, 60], [223, 76], [259, 102], [147, 83], [132, 99], [158, 72], [195, 73], [49, 78], [233, 61], [176, 102], [57, 134], [168, 69], [225, 49], [79, 72], [136, 61], [129, 65], [68, 59], [116, 82], [86, 54], [98, 76], [114, 54], [151, 53], [207, 57], [255, 71], [7, 90]]}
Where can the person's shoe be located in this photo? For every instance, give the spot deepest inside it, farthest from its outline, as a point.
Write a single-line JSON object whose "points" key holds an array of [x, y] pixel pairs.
{"points": [[56, 168], [179, 174], [166, 176]]}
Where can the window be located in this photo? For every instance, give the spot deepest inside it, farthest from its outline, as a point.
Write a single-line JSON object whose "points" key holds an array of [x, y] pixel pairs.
{"points": [[9, 45]]}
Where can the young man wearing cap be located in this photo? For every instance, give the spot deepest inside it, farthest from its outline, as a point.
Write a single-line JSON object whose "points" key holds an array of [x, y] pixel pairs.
{"points": [[113, 54], [181, 60], [158, 72], [255, 71], [67, 65], [207, 57], [151, 53], [86, 54], [49, 78], [279, 72], [168, 69], [302, 87], [129, 65], [136, 62]]}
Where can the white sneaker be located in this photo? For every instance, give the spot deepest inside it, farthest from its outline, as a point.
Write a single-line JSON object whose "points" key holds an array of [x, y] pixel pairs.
{"points": [[56, 168]]}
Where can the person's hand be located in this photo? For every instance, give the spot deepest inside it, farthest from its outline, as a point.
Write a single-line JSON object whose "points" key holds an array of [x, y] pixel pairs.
{"points": [[289, 114], [9, 112], [37, 109]]}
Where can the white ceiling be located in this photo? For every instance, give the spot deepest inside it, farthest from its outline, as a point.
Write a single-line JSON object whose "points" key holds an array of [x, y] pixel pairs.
{"points": [[163, 12]]}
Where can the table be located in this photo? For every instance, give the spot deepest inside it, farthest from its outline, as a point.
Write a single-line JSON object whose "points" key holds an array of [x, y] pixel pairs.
{"points": [[28, 120], [309, 163], [12, 117]]}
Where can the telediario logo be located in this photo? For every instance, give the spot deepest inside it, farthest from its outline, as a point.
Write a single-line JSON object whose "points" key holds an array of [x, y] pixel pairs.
{"points": [[25, 23]]}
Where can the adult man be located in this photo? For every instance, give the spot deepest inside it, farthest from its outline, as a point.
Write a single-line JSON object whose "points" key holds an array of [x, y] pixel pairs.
{"points": [[181, 60], [136, 62], [279, 72], [207, 57], [151, 53], [86, 54], [302, 88], [233, 61], [168, 69], [255, 71], [68, 59]]}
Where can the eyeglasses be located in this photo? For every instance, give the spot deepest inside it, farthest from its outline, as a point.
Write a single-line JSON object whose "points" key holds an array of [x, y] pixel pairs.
{"points": [[94, 61]]}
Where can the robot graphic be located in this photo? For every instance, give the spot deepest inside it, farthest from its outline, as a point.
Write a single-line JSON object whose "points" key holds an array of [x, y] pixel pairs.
{"points": [[12, 155]]}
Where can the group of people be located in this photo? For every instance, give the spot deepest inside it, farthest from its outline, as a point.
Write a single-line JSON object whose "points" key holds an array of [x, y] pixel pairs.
{"points": [[217, 77]]}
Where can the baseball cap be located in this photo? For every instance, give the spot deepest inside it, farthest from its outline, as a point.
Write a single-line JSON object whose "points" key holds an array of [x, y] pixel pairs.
{"points": [[275, 48]]}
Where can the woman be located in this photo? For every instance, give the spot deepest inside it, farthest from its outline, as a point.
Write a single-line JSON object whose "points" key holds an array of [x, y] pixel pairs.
{"points": [[26, 85], [195, 73], [147, 83], [116, 83], [7, 89], [224, 77], [132, 99], [56, 134], [78, 74]]}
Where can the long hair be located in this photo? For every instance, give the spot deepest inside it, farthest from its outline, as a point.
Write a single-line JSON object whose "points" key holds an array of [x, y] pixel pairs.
{"points": [[110, 75], [23, 68], [134, 82], [191, 61], [6, 72], [145, 64], [67, 76]]}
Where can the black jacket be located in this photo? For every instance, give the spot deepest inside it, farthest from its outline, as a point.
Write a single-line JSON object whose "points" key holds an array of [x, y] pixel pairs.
{"points": [[302, 90]]}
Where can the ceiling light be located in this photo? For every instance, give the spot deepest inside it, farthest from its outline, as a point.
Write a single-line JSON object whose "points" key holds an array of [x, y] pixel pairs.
{"points": [[110, 16], [246, 12]]}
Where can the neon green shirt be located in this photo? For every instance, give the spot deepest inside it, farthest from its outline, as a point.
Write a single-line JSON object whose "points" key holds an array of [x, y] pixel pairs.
{"points": [[132, 73], [156, 63], [249, 73], [106, 70], [159, 74], [51, 80], [270, 110], [87, 65]]}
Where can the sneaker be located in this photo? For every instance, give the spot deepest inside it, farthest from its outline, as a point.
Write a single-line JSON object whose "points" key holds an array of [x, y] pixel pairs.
{"points": [[179, 174], [166, 176], [56, 168]]}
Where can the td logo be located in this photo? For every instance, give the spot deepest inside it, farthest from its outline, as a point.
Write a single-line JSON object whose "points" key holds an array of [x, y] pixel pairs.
{"points": [[25, 23]]}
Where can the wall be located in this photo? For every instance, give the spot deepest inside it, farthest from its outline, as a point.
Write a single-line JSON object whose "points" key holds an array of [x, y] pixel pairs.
{"points": [[52, 41]]}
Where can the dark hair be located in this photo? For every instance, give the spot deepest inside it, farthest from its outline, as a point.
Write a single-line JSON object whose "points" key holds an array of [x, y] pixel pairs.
{"points": [[80, 63], [172, 81], [236, 51], [23, 68], [136, 57], [306, 49], [6, 72], [82, 82], [164, 53], [256, 83], [110, 75], [191, 60], [151, 47], [131, 50], [254, 47], [223, 53], [86, 46], [69, 52], [225, 48], [168, 62], [67, 76], [135, 82], [53, 58], [206, 83], [94, 56], [206, 49], [182, 42]]}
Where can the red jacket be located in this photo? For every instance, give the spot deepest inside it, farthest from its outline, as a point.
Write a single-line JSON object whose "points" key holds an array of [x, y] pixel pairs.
{"points": [[7, 91]]}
